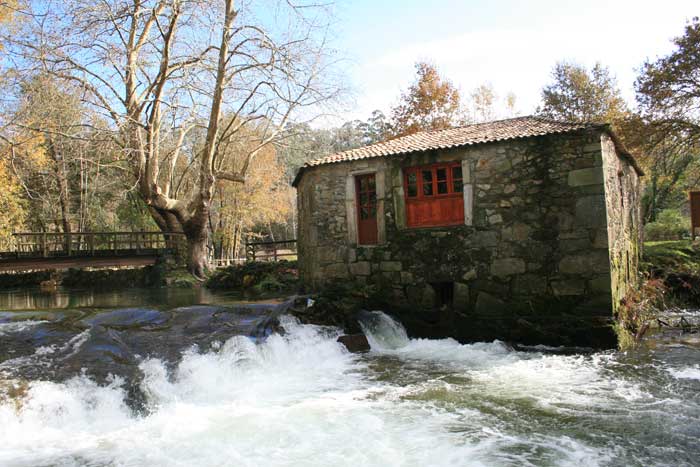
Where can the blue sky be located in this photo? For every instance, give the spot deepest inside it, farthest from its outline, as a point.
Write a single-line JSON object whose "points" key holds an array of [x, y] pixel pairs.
{"points": [[511, 44]]}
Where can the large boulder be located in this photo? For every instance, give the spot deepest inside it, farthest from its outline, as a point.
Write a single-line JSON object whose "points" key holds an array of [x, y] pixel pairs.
{"points": [[355, 342]]}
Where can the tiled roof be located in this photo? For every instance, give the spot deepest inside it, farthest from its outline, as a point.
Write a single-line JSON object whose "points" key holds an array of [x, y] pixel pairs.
{"points": [[501, 130]]}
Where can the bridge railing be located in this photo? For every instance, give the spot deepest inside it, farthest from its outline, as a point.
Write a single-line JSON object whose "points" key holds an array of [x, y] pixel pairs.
{"points": [[271, 251], [52, 244]]}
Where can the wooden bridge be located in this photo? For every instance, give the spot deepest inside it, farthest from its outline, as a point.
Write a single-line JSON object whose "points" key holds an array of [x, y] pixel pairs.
{"points": [[41, 251]]}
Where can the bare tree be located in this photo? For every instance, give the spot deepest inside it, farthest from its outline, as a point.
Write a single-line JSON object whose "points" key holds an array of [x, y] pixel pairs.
{"points": [[159, 69]]}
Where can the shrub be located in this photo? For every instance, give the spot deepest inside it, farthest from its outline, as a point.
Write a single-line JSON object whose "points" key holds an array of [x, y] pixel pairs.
{"points": [[256, 276], [670, 224]]}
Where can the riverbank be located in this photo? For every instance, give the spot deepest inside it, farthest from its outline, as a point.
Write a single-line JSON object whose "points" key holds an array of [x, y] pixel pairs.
{"points": [[677, 265]]}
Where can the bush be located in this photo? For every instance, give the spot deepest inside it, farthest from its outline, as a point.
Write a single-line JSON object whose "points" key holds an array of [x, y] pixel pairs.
{"points": [[670, 224], [256, 277]]}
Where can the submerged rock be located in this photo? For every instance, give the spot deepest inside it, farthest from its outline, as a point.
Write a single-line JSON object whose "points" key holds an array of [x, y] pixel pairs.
{"points": [[355, 342]]}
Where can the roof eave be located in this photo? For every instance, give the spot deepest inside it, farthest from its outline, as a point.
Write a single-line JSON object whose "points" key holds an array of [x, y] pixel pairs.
{"points": [[297, 178], [622, 150]]}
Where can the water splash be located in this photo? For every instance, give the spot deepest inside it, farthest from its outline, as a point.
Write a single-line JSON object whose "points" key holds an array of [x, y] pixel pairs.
{"points": [[383, 332], [690, 372], [18, 326], [300, 399]]}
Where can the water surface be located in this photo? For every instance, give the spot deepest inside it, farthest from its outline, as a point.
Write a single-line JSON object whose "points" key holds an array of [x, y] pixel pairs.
{"points": [[171, 379]]}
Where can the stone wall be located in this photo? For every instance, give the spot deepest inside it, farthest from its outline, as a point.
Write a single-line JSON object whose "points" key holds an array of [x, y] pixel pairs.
{"points": [[623, 208], [531, 262]]}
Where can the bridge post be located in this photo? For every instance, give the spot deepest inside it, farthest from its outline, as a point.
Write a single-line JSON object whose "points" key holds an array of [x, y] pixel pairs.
{"points": [[44, 251], [68, 244]]}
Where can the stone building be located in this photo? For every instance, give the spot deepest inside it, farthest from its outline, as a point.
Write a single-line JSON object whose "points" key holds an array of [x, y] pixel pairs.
{"points": [[526, 230]]}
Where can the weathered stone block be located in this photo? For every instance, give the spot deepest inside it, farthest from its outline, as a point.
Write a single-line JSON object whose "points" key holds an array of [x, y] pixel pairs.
{"points": [[469, 275], [336, 270], [530, 284], [361, 268], [574, 244], [407, 277], [590, 211], [601, 239], [517, 232], [484, 239], [601, 284], [502, 267], [495, 219], [327, 254], [428, 297], [568, 287], [390, 266], [486, 303], [460, 300], [589, 176], [585, 263]]}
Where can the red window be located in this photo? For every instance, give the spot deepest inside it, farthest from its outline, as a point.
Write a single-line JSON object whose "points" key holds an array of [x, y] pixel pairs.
{"points": [[366, 191], [434, 195]]}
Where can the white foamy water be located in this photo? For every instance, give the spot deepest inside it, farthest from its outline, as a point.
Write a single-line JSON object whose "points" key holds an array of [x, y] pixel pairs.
{"points": [[690, 372], [18, 326], [302, 400]]}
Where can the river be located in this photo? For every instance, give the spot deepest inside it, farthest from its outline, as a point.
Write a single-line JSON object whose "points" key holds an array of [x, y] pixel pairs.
{"points": [[185, 378]]}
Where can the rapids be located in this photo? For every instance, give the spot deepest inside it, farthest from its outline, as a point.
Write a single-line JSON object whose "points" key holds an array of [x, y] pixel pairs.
{"points": [[245, 385]]}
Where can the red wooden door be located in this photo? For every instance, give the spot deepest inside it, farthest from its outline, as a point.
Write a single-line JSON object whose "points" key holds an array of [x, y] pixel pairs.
{"points": [[366, 191]]}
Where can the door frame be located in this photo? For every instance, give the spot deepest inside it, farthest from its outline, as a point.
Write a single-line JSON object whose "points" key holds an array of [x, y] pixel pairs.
{"points": [[372, 205]]}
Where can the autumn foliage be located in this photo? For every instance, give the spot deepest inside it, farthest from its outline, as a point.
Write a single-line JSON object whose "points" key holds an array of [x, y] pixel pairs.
{"points": [[430, 103]]}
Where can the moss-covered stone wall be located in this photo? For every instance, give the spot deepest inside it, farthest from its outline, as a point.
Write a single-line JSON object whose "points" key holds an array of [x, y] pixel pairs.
{"points": [[530, 264], [623, 211]]}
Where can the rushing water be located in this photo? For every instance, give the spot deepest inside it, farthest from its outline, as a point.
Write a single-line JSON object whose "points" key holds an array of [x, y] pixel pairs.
{"points": [[200, 385]]}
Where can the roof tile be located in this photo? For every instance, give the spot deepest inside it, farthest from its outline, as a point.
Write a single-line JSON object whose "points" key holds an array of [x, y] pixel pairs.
{"points": [[501, 130], [521, 127]]}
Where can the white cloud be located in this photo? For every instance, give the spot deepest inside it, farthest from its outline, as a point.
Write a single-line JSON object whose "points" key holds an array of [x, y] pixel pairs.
{"points": [[520, 59]]}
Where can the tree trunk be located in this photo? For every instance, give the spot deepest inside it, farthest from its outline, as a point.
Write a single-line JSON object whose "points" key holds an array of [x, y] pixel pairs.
{"points": [[197, 261], [60, 170]]}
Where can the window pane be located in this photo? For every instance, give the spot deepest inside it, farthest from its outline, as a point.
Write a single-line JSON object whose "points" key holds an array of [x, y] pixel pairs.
{"points": [[373, 198], [457, 186], [442, 188], [363, 183], [457, 172], [373, 211], [364, 212], [412, 188], [441, 174], [427, 189], [427, 176], [363, 198], [372, 182]]}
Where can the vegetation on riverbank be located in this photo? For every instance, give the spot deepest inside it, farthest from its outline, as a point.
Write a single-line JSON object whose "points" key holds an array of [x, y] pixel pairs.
{"points": [[149, 276], [670, 273], [257, 277], [677, 265]]}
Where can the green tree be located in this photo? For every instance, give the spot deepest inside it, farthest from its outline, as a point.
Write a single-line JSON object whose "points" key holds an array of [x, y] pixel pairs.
{"points": [[668, 89], [430, 103], [578, 94], [668, 94]]}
